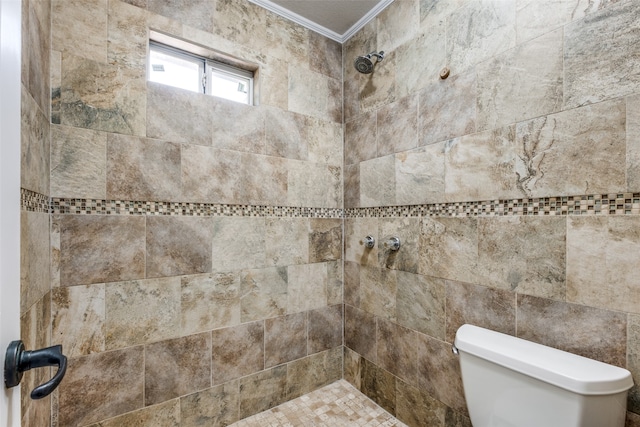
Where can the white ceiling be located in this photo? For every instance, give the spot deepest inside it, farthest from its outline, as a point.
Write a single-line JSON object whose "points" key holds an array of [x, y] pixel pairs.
{"points": [[336, 19]]}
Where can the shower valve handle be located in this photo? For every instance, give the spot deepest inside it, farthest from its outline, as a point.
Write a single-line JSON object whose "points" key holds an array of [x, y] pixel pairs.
{"points": [[369, 242]]}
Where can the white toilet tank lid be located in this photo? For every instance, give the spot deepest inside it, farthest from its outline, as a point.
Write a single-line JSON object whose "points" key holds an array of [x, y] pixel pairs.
{"points": [[560, 368]]}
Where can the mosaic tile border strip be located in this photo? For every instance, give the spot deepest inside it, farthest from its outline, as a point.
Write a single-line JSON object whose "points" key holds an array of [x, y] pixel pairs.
{"points": [[595, 204]]}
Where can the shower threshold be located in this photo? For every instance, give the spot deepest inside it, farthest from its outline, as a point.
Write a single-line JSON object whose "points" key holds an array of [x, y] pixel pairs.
{"points": [[337, 405]]}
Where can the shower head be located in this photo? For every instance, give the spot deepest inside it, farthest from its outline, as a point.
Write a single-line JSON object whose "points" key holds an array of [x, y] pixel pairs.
{"points": [[364, 64]]}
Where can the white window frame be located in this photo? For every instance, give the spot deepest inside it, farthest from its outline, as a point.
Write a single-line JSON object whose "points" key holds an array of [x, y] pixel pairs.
{"points": [[207, 68]]}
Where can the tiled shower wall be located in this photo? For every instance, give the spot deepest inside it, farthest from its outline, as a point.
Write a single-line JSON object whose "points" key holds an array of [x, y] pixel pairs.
{"points": [[513, 184], [195, 270]]}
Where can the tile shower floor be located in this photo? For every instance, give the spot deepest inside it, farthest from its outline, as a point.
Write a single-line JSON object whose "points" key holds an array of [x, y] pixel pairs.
{"points": [[336, 405]]}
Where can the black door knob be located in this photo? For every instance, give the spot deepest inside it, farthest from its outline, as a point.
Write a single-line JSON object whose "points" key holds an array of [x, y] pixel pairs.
{"points": [[19, 360]]}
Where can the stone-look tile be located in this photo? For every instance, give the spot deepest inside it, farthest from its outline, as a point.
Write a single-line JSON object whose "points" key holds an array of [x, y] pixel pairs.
{"points": [[238, 243], [633, 420], [379, 385], [360, 139], [360, 332], [352, 368], [351, 190], [214, 407], [313, 184], [633, 143], [78, 163], [325, 328], [100, 249], [351, 90], [237, 126], [378, 288], [307, 287], [537, 17], [602, 255], [102, 96], [310, 373], [562, 153], [398, 126], [314, 94], [285, 339], [244, 24], [523, 254], [80, 27], [34, 258], [419, 61], [36, 52], [166, 414], [326, 55], [574, 328], [196, 13], [56, 83], [263, 293], [420, 303], [142, 169], [449, 248], [101, 386], [237, 351], [177, 367], [287, 241], [178, 245], [355, 230], [433, 13], [127, 28], [35, 333], [398, 24], [489, 308], [142, 311], [633, 361], [587, 58], [447, 109], [286, 134], [456, 419], [171, 113], [352, 283], [325, 143], [522, 83], [420, 175], [35, 144], [273, 88], [260, 191], [209, 302], [378, 88], [212, 176], [325, 239], [408, 231], [395, 350], [416, 408], [480, 30], [481, 166], [78, 319], [378, 182], [335, 282], [263, 391], [439, 372]]}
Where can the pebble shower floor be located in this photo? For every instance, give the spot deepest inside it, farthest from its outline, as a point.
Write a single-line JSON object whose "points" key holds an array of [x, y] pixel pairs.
{"points": [[336, 405]]}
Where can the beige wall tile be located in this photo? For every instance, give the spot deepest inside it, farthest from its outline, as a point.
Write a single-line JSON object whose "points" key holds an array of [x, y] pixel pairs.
{"points": [[633, 360], [420, 175], [78, 163], [414, 407], [521, 83], [335, 282], [78, 319], [216, 406], [399, 24], [285, 339], [325, 143], [198, 14], [420, 303], [100, 386], [325, 328], [325, 239], [355, 230], [244, 24], [237, 127], [80, 27], [96, 249], [408, 231], [36, 56], [35, 145], [360, 139], [166, 414], [325, 55], [307, 288], [633, 143], [419, 60], [396, 350], [237, 351], [264, 293], [379, 385], [176, 367], [378, 182], [587, 58], [127, 28], [178, 245], [352, 186], [378, 88], [313, 184], [262, 391], [312, 372], [141, 311], [212, 176], [574, 328], [238, 243], [34, 258], [209, 301], [312, 94], [360, 332], [397, 125], [378, 291], [287, 241]]}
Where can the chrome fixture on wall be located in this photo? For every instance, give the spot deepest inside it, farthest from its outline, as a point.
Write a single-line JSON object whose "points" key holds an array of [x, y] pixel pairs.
{"points": [[364, 64], [392, 244], [369, 242]]}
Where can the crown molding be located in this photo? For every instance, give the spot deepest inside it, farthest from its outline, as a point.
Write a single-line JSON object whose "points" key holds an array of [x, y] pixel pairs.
{"points": [[340, 38]]}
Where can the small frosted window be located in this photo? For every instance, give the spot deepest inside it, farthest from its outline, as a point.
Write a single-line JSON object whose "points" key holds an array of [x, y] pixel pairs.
{"points": [[174, 67]]}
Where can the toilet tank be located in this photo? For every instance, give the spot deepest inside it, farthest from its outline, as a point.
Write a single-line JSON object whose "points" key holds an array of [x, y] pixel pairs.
{"points": [[511, 382]]}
